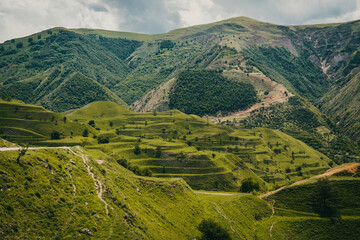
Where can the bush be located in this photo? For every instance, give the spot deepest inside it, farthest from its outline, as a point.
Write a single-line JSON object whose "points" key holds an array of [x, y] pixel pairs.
{"points": [[92, 123], [103, 139], [325, 198], [137, 150], [158, 152], [85, 133], [19, 45], [212, 230], [55, 135], [248, 185]]}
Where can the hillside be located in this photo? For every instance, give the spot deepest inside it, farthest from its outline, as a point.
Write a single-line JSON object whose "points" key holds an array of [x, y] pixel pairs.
{"points": [[75, 193], [315, 62], [302, 199], [210, 157], [25, 123], [169, 144], [135, 173]]}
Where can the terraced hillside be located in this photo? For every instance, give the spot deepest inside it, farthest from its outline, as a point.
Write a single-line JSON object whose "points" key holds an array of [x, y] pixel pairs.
{"points": [[76, 193], [297, 209], [173, 144], [30, 124], [70, 193]]}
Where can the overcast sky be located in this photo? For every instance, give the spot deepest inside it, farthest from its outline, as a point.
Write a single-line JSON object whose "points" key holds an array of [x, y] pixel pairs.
{"points": [[19, 18]]}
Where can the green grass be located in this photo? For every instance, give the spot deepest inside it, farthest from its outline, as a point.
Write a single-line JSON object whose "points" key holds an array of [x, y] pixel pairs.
{"points": [[207, 156], [39, 200], [29, 123]]}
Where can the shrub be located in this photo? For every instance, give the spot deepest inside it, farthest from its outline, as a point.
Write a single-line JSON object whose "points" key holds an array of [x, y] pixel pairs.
{"points": [[325, 198], [85, 133], [137, 150], [103, 139], [212, 230], [248, 185], [158, 152], [92, 123], [55, 135]]}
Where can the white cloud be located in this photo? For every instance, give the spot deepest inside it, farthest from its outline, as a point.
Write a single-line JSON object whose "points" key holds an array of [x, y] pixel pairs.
{"points": [[19, 18]]}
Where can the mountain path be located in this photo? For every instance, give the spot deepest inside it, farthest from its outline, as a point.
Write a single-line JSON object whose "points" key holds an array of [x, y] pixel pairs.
{"points": [[351, 167], [97, 183], [218, 194]]}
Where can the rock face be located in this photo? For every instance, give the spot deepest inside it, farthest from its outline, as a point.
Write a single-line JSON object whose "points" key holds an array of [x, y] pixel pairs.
{"points": [[157, 99], [86, 231]]}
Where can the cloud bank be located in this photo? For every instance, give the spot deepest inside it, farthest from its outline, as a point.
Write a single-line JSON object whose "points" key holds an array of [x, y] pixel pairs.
{"points": [[19, 18]]}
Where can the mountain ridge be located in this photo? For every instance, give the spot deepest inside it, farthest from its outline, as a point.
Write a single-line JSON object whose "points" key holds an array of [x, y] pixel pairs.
{"points": [[143, 61]]}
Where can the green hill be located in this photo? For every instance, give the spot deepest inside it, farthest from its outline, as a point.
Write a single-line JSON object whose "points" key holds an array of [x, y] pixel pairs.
{"points": [[129, 65], [170, 144], [25, 123], [174, 144], [76, 193], [98, 189], [296, 213]]}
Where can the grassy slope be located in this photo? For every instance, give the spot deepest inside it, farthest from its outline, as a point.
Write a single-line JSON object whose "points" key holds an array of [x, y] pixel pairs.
{"points": [[188, 143], [49, 64], [52, 194], [57, 198], [29, 123], [295, 218]]}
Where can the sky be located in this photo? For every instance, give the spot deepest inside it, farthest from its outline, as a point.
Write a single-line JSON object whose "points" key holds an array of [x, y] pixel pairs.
{"points": [[20, 18]]}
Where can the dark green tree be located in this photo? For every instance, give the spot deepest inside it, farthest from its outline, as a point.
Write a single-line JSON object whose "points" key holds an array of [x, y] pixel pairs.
{"points": [[158, 152], [85, 132], [103, 139], [55, 135], [137, 150], [248, 185], [92, 123], [211, 230], [325, 198]]}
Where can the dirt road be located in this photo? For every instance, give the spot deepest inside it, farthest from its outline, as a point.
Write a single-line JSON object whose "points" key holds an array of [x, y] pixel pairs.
{"points": [[350, 167]]}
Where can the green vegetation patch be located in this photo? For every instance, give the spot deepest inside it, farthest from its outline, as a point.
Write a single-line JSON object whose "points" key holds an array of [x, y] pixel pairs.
{"points": [[295, 72], [204, 92]]}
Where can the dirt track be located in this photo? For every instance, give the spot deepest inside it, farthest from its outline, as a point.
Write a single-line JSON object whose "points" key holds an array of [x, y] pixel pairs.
{"points": [[350, 167]]}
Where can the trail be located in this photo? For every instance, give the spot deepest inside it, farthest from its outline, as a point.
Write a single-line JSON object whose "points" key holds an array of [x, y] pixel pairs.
{"points": [[97, 183], [271, 228], [3, 149], [271, 204], [351, 167], [218, 194]]}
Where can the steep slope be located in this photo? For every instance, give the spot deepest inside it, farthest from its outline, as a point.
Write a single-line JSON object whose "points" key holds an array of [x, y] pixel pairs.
{"points": [[340, 197], [36, 68], [66, 194]]}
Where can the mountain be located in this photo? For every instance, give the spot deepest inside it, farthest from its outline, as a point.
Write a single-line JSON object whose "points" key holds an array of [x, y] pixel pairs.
{"points": [[316, 62]]}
